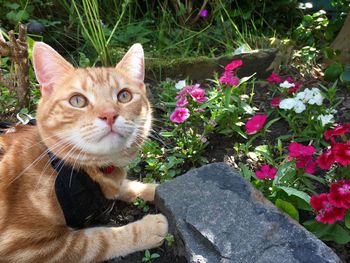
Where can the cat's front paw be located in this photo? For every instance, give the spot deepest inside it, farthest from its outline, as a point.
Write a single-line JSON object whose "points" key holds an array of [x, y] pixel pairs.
{"points": [[149, 192], [150, 231]]}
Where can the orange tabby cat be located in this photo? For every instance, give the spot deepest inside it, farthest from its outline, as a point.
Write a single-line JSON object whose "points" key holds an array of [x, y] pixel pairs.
{"points": [[90, 118]]}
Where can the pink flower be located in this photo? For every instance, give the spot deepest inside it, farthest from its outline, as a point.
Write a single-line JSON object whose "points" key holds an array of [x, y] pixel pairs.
{"points": [[340, 194], [203, 13], [326, 159], [233, 65], [181, 102], [274, 78], [306, 162], [275, 102], [228, 78], [180, 115], [327, 212], [266, 172], [338, 130], [198, 95], [299, 150], [255, 123], [183, 92]]}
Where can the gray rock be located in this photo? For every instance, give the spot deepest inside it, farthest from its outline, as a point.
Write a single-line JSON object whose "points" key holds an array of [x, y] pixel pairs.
{"points": [[202, 68], [217, 216]]}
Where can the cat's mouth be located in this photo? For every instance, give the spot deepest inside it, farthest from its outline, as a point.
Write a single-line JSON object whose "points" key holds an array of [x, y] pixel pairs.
{"points": [[113, 134]]}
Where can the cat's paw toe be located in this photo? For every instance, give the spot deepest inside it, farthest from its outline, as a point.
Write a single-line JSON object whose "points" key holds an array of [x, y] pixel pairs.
{"points": [[156, 228]]}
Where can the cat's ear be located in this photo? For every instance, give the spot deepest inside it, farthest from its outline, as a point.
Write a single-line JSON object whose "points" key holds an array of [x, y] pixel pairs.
{"points": [[133, 63], [49, 67]]}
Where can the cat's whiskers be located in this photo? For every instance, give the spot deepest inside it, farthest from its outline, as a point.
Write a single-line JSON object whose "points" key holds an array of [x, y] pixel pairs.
{"points": [[38, 159], [48, 163], [73, 167], [43, 140]]}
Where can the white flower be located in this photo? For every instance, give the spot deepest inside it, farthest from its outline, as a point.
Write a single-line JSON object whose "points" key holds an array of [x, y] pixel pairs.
{"points": [[299, 106], [287, 104], [292, 103], [317, 99], [326, 119], [311, 96], [180, 84], [285, 84]]}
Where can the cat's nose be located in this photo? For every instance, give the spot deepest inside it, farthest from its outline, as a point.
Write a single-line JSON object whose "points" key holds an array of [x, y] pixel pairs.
{"points": [[109, 117]]}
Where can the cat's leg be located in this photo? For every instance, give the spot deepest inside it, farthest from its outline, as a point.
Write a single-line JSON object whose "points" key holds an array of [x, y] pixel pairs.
{"points": [[130, 190], [115, 186], [89, 245]]}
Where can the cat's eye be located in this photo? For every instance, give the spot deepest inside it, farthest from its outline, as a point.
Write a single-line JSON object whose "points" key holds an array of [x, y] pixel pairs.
{"points": [[78, 101], [124, 96]]}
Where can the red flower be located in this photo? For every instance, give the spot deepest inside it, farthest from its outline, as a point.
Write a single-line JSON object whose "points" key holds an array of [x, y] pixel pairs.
{"points": [[233, 65], [341, 152], [306, 162], [275, 102], [338, 130], [299, 150], [340, 194], [266, 172], [295, 88], [255, 123], [274, 78], [327, 212], [326, 159]]}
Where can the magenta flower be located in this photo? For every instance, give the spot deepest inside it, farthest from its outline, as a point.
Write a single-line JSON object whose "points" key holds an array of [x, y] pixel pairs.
{"points": [[274, 78], [181, 102], [295, 88], [228, 78], [255, 123], [266, 172], [198, 95], [180, 115], [275, 102], [299, 150], [233, 65], [203, 13], [289, 79], [340, 194], [327, 213], [326, 159], [307, 163]]}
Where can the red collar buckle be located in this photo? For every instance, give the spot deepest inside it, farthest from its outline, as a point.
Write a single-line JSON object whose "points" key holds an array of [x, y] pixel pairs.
{"points": [[109, 169]]}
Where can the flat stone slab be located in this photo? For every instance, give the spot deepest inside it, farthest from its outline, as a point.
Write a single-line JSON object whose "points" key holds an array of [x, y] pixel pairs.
{"points": [[217, 216]]}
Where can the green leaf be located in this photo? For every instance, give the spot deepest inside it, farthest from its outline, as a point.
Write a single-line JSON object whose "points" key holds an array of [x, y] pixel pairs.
{"points": [[318, 229], [246, 172], [166, 134], [284, 170], [228, 92], [288, 208], [271, 122], [347, 219], [155, 255], [333, 71], [345, 76], [338, 234], [295, 192]]}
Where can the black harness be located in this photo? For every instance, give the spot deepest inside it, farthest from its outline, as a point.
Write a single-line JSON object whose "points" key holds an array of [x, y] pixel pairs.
{"points": [[80, 198]]}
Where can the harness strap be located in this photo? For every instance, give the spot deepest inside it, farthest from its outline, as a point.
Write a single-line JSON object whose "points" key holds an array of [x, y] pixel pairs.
{"points": [[81, 198]]}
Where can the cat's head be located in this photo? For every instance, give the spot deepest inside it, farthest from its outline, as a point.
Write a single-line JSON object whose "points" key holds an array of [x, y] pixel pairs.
{"points": [[92, 116]]}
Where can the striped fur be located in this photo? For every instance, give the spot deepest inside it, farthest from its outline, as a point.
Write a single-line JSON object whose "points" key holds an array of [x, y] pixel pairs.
{"points": [[32, 224]]}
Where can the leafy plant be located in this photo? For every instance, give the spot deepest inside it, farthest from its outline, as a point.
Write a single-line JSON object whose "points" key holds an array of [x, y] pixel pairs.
{"points": [[148, 256]]}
